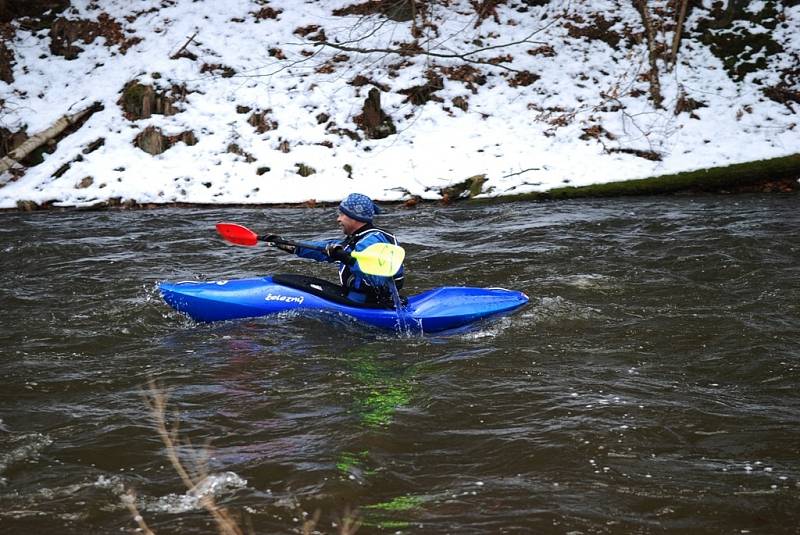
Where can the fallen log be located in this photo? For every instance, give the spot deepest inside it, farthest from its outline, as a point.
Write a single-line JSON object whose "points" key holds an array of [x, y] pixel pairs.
{"points": [[12, 159]]}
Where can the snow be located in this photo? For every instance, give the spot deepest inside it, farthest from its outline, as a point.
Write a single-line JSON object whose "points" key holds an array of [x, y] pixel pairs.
{"points": [[524, 139]]}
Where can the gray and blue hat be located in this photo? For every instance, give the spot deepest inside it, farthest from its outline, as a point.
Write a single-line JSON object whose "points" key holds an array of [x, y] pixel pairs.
{"points": [[359, 207]]}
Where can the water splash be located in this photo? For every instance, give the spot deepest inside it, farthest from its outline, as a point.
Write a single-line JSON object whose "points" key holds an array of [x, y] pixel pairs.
{"points": [[214, 485], [403, 327]]}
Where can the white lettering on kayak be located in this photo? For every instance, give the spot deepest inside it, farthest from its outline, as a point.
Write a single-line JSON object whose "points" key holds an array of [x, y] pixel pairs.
{"points": [[285, 298]]}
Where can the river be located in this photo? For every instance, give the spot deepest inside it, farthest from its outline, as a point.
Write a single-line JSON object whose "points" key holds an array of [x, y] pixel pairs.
{"points": [[650, 385]]}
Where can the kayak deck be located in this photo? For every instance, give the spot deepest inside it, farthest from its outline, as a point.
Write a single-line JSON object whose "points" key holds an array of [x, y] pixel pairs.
{"points": [[431, 311]]}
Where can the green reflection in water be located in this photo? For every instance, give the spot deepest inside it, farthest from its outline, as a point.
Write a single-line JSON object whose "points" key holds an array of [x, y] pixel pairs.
{"points": [[388, 524], [382, 387], [379, 406], [401, 503], [352, 464], [347, 462], [384, 390]]}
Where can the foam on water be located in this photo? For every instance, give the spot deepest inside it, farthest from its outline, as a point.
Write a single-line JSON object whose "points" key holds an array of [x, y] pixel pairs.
{"points": [[589, 281], [22, 448], [214, 486]]}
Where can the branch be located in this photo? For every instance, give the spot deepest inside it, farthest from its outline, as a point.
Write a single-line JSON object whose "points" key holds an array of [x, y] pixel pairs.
{"points": [[157, 403], [129, 500], [181, 49], [524, 171], [463, 57]]}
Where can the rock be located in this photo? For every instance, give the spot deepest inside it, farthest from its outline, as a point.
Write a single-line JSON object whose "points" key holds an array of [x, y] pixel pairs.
{"points": [[27, 206], [461, 102], [139, 101], [469, 188], [304, 170], [150, 140], [153, 141]]}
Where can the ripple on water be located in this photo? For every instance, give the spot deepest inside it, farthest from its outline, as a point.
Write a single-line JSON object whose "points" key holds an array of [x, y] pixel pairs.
{"points": [[555, 309]]}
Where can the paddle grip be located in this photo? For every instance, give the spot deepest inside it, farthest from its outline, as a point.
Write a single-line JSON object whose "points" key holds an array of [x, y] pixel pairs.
{"points": [[340, 255], [274, 239]]}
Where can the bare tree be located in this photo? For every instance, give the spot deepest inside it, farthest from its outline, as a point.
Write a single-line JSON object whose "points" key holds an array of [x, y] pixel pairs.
{"points": [[676, 38], [650, 37]]}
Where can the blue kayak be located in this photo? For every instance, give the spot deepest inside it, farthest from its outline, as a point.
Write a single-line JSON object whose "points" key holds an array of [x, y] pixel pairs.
{"points": [[435, 310]]}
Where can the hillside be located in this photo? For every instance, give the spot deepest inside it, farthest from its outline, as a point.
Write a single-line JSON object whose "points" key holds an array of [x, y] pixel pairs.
{"points": [[175, 101]]}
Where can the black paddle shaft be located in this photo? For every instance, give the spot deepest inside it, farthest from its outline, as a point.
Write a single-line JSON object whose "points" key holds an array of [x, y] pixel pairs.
{"points": [[339, 255]]}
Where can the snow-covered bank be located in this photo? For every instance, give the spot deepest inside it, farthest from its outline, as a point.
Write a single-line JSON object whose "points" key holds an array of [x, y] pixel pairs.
{"points": [[560, 98]]}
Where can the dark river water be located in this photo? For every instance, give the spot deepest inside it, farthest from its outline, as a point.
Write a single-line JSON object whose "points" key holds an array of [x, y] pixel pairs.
{"points": [[651, 385]]}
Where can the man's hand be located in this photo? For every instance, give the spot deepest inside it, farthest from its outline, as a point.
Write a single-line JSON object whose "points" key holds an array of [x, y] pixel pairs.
{"points": [[274, 241], [337, 252]]}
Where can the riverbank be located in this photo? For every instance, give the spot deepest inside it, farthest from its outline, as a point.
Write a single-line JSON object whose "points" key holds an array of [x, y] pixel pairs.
{"points": [[779, 175], [175, 103]]}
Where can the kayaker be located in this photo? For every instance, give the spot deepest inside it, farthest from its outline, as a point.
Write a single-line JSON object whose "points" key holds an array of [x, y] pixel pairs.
{"points": [[355, 216]]}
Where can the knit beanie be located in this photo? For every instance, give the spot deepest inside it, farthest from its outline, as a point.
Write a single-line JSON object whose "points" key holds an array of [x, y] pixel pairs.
{"points": [[359, 207]]}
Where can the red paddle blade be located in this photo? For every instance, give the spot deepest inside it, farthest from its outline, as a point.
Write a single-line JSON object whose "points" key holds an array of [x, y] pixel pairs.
{"points": [[237, 234]]}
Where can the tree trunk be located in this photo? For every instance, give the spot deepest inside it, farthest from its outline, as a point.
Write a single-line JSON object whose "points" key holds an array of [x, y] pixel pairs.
{"points": [[37, 140], [676, 39], [375, 122], [655, 84]]}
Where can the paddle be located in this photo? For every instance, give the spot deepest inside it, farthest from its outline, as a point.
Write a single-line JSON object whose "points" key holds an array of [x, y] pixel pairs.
{"points": [[382, 259]]}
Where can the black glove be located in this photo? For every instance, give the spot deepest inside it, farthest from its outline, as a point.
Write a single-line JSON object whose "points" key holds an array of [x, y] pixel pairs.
{"points": [[337, 252], [271, 238], [275, 241]]}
